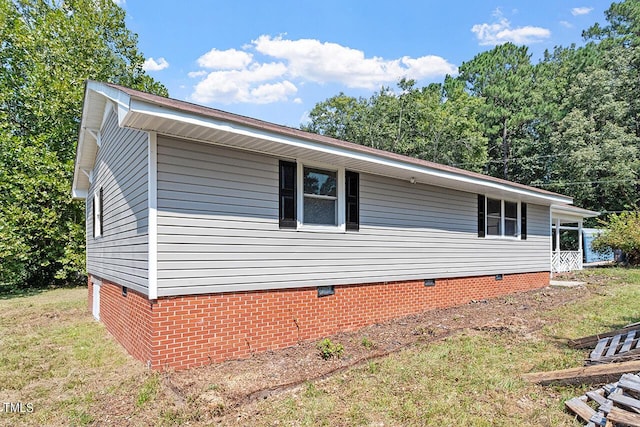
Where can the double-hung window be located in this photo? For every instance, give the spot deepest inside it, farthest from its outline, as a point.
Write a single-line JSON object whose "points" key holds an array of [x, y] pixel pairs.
{"points": [[318, 197], [501, 218]]}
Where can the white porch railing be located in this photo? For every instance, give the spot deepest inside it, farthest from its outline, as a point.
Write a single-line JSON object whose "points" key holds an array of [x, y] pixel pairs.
{"points": [[566, 261]]}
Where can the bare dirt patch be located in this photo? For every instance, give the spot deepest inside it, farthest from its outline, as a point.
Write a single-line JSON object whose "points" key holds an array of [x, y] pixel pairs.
{"points": [[227, 390]]}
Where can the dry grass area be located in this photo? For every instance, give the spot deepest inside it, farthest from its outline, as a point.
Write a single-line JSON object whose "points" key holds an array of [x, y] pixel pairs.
{"points": [[459, 366]]}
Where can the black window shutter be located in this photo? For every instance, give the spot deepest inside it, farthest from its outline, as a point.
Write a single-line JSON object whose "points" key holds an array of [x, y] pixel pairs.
{"points": [[481, 215], [352, 197], [287, 194], [523, 221], [101, 213]]}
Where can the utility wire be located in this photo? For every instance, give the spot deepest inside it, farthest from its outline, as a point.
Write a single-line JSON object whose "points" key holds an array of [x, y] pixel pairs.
{"points": [[604, 181]]}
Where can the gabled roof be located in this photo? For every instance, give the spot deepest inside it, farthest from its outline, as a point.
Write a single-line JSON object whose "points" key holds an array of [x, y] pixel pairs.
{"points": [[171, 117]]}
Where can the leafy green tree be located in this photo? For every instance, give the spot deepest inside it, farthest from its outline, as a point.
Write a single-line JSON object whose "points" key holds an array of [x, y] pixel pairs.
{"points": [[503, 78], [338, 117], [597, 155], [622, 232], [436, 123], [597, 139], [48, 50]]}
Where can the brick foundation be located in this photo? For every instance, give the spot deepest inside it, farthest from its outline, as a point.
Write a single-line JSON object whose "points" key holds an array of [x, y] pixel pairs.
{"points": [[193, 330]]}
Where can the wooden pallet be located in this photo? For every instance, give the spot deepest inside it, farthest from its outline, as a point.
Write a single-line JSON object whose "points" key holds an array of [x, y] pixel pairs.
{"points": [[616, 348], [592, 340], [611, 405]]}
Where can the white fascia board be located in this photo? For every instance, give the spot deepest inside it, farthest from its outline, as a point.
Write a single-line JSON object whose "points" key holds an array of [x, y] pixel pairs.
{"points": [[140, 107], [572, 212], [91, 103], [121, 99]]}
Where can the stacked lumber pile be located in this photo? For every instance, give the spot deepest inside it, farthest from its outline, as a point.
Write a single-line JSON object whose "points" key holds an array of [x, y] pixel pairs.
{"points": [[613, 354], [611, 405]]}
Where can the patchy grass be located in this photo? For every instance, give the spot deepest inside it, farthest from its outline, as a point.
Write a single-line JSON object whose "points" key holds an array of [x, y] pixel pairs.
{"points": [[55, 356], [471, 378]]}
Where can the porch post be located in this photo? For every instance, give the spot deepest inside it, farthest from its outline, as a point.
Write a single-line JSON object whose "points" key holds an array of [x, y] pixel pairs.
{"points": [[580, 243], [558, 235]]}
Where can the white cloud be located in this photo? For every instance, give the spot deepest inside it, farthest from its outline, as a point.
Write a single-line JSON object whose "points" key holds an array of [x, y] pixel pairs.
{"points": [[313, 60], [271, 69], [120, 2], [229, 59], [566, 24], [273, 92], [247, 85], [194, 74], [581, 11], [501, 32], [151, 64]]}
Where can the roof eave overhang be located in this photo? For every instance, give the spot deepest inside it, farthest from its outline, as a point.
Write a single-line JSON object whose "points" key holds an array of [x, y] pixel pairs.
{"points": [[572, 213], [96, 98], [147, 116]]}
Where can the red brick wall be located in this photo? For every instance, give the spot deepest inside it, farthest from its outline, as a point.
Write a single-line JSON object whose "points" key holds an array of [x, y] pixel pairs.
{"points": [[127, 318], [193, 330]]}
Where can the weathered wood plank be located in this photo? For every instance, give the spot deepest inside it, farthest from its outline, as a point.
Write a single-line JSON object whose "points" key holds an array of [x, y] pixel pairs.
{"points": [[592, 340], [597, 352], [633, 354], [618, 415], [598, 419], [597, 396], [630, 385], [627, 401], [584, 375], [580, 408], [628, 341], [606, 407], [613, 346]]}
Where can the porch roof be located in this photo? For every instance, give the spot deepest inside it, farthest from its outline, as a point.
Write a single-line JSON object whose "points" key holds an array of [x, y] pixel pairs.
{"points": [[569, 213]]}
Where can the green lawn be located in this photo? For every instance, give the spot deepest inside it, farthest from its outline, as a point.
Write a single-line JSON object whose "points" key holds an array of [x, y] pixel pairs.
{"points": [[56, 357]]}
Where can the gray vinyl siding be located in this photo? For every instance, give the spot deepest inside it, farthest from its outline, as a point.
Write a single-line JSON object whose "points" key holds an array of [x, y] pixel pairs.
{"points": [[121, 253], [218, 230]]}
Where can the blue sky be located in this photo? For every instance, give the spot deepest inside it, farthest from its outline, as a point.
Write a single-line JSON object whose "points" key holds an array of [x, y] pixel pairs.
{"points": [[274, 60]]}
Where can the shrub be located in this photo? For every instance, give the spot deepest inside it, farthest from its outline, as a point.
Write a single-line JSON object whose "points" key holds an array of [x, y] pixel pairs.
{"points": [[329, 349], [623, 232]]}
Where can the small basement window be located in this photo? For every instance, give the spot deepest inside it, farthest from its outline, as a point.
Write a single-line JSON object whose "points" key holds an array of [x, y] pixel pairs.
{"points": [[325, 291]]}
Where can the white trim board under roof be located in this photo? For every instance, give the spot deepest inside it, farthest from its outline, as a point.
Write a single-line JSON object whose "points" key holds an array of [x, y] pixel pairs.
{"points": [[151, 113], [571, 213]]}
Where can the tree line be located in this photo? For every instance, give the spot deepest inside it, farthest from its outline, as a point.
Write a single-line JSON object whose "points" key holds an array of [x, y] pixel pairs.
{"points": [[569, 123]]}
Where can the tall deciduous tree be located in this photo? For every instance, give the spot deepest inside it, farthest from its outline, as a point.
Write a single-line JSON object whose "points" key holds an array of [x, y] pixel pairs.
{"points": [[436, 123], [48, 49]]}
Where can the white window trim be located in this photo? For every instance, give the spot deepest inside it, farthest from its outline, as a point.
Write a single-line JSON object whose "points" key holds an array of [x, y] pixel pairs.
{"points": [[502, 219], [341, 198], [97, 214]]}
